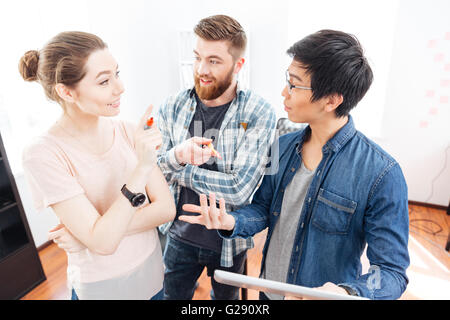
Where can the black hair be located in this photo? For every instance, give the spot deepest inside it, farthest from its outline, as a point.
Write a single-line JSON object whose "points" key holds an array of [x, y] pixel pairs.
{"points": [[336, 64]]}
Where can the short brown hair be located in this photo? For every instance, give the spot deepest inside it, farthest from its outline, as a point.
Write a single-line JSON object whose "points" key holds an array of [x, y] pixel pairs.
{"points": [[62, 60], [222, 27]]}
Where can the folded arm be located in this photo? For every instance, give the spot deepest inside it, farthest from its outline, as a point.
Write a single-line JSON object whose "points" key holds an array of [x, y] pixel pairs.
{"points": [[161, 208], [103, 233], [100, 233]]}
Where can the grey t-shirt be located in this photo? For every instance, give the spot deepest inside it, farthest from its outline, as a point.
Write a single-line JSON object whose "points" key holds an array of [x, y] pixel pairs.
{"points": [[282, 241]]}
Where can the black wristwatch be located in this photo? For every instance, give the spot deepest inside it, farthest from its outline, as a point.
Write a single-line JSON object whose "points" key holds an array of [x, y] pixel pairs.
{"points": [[136, 199]]}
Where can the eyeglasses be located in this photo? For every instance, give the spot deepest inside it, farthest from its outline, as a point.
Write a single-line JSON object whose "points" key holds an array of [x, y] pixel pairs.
{"points": [[291, 86]]}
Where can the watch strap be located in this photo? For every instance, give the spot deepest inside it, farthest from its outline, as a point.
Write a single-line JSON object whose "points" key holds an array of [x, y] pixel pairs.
{"points": [[127, 193]]}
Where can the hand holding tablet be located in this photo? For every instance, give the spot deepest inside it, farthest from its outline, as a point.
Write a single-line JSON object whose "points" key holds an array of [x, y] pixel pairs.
{"points": [[285, 289]]}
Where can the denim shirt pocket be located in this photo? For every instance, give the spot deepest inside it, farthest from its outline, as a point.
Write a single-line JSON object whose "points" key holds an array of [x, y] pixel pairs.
{"points": [[332, 213]]}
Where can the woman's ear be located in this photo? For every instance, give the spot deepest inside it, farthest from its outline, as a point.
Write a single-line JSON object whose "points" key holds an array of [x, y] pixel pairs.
{"points": [[333, 101], [65, 93]]}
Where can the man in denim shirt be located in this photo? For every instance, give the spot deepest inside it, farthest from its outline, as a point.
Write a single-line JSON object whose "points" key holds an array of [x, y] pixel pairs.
{"points": [[350, 192]]}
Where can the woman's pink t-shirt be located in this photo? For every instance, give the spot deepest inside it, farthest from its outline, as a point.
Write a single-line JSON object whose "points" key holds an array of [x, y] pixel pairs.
{"points": [[57, 169]]}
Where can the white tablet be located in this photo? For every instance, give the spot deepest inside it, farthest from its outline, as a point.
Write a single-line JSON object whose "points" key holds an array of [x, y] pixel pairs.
{"points": [[239, 280]]}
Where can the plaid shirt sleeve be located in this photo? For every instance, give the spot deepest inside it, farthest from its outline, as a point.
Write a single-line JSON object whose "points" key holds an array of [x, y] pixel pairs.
{"points": [[166, 157], [237, 185]]}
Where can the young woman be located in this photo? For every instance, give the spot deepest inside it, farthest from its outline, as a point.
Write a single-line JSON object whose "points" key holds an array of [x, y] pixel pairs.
{"points": [[96, 173]]}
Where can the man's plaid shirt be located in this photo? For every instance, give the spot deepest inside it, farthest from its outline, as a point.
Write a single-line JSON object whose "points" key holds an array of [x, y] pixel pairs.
{"points": [[244, 140]]}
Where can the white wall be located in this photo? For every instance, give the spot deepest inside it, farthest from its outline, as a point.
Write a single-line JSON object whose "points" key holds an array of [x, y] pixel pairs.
{"points": [[142, 35], [377, 40], [416, 128]]}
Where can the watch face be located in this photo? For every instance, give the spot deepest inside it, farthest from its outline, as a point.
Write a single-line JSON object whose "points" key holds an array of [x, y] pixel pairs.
{"points": [[138, 199]]}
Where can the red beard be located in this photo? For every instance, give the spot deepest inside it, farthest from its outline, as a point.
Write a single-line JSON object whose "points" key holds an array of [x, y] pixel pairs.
{"points": [[214, 90]]}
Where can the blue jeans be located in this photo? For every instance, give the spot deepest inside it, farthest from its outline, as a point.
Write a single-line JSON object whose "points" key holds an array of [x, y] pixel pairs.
{"points": [[158, 296], [184, 265]]}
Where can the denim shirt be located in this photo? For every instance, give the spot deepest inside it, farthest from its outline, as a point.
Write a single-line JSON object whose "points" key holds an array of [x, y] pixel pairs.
{"points": [[358, 196]]}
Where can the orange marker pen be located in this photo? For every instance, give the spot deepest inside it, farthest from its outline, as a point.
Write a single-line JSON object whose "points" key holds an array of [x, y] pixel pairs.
{"points": [[149, 123], [214, 150]]}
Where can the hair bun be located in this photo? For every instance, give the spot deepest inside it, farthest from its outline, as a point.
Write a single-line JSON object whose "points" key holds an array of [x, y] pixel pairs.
{"points": [[28, 65]]}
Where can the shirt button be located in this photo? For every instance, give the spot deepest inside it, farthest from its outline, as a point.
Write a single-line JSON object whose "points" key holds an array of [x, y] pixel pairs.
{"points": [[192, 109], [309, 199], [185, 127], [293, 169], [292, 271], [275, 214], [296, 248]]}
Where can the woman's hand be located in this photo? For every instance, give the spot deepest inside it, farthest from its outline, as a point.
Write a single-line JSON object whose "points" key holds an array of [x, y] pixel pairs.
{"points": [[147, 141], [210, 216], [65, 240]]}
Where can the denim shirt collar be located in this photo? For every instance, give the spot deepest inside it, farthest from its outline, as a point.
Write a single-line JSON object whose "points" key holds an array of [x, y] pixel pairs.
{"points": [[336, 142]]}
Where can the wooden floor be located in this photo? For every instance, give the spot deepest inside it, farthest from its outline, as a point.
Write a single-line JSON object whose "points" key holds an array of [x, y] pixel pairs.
{"points": [[428, 273]]}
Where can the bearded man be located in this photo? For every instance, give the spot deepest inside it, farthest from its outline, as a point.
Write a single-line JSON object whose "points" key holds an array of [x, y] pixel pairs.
{"points": [[217, 114]]}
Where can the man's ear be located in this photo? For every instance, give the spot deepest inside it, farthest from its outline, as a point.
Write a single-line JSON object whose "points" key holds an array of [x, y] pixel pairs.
{"points": [[238, 66], [65, 93], [333, 101]]}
